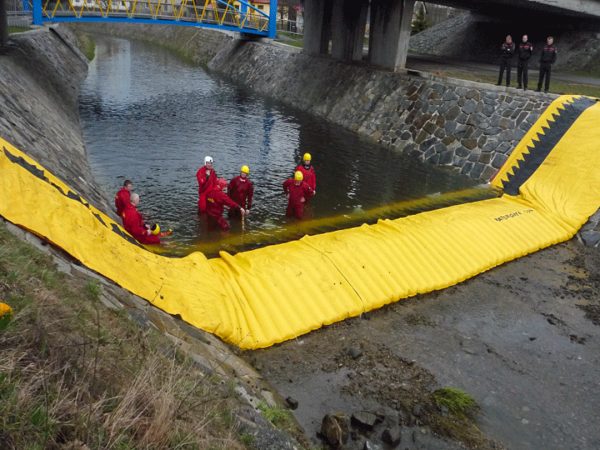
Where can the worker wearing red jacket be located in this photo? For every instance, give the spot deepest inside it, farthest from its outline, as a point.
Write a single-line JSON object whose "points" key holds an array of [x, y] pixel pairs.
{"points": [[298, 192], [216, 200], [134, 223], [308, 172], [207, 179], [241, 190], [123, 197]]}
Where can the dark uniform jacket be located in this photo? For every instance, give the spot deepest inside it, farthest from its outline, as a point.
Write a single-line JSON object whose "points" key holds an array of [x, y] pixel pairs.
{"points": [[525, 50], [548, 55]]}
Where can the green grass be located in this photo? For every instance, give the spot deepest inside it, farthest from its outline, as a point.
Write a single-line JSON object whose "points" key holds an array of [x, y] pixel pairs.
{"points": [[12, 30], [458, 402], [74, 374], [292, 39], [556, 86], [278, 416]]}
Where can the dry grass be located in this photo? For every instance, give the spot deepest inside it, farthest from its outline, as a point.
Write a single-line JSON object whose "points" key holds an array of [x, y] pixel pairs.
{"points": [[74, 375]]}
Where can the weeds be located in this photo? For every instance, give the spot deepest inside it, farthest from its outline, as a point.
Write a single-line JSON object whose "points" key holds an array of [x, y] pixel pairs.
{"points": [[458, 402], [278, 416], [73, 374]]}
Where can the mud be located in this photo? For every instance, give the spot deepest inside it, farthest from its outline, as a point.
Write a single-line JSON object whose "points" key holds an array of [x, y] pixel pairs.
{"points": [[522, 339]]}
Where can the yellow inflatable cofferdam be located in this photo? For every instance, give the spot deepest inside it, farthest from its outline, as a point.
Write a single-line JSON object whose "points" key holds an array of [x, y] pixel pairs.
{"points": [[258, 298]]}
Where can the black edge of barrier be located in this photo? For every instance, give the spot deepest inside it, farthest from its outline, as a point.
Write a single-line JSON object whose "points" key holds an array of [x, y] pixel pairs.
{"points": [[548, 137]]}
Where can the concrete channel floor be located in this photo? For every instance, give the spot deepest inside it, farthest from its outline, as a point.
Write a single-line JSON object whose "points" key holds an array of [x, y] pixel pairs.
{"points": [[516, 338]]}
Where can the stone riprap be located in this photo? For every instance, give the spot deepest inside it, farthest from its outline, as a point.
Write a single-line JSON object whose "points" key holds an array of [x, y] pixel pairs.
{"points": [[40, 76]]}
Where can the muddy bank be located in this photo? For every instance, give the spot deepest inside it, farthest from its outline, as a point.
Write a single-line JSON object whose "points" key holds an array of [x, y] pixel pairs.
{"points": [[522, 339]]}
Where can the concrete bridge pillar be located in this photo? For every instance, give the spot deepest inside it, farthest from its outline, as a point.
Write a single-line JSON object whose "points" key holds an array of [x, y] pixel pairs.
{"points": [[348, 24], [317, 26], [390, 31]]}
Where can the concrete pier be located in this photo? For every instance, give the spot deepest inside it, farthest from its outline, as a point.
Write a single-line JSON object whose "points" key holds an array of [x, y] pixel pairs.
{"points": [[389, 32]]}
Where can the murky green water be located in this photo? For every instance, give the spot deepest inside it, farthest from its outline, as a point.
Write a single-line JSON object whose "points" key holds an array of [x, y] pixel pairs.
{"points": [[150, 117]]}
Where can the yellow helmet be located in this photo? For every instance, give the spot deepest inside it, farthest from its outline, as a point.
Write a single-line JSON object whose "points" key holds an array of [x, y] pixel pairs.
{"points": [[245, 169], [155, 229], [298, 176], [306, 157]]}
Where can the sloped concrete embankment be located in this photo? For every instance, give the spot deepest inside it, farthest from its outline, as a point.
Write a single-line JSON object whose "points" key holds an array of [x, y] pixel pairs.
{"points": [[39, 85]]}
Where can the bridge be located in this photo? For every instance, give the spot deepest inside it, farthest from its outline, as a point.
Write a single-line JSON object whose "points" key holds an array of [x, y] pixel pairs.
{"points": [[343, 23], [231, 15]]}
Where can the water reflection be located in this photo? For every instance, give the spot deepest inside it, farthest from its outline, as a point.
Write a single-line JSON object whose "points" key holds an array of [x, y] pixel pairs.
{"points": [[149, 117]]}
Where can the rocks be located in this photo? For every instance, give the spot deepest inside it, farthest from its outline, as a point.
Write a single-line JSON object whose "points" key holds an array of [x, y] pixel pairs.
{"points": [[335, 429], [364, 420], [291, 402], [392, 435], [355, 352]]}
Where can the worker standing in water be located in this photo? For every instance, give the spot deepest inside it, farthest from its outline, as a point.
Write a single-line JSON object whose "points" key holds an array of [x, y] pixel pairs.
{"points": [[123, 197], [298, 192], [216, 200], [241, 190], [135, 225], [308, 172], [207, 179]]}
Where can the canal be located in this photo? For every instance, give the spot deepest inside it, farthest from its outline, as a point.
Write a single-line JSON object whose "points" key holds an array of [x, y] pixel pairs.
{"points": [[150, 117]]}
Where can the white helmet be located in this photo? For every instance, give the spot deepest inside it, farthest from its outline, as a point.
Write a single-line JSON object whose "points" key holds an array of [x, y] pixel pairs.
{"points": [[208, 159]]}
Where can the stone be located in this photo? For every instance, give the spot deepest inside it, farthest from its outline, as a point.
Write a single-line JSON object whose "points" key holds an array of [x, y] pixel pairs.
{"points": [[417, 410], [430, 127], [428, 143], [364, 420], [449, 96], [439, 148], [421, 137], [521, 117], [481, 141], [462, 118], [485, 157], [434, 159], [506, 135], [492, 131], [505, 124], [355, 352], [448, 140], [469, 143], [291, 402], [488, 110], [392, 436], [499, 160], [463, 152], [406, 135], [590, 238], [440, 133], [453, 113], [450, 126], [477, 170], [473, 94], [466, 170], [335, 429], [371, 446], [470, 106], [446, 157], [488, 173]]}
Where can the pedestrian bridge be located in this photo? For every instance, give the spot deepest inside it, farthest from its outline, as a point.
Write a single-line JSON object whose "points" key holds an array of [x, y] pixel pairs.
{"points": [[231, 15]]}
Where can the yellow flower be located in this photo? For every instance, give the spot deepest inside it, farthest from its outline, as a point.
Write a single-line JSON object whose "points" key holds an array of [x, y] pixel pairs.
{"points": [[5, 310]]}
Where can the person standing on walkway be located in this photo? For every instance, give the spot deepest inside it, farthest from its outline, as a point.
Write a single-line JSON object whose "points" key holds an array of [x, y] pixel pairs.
{"points": [[207, 178], [241, 190], [547, 58], [508, 50], [524, 52]]}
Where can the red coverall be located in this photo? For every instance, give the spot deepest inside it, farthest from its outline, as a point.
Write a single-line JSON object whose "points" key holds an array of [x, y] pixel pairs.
{"points": [[310, 177], [241, 190], [205, 183], [216, 200], [122, 200], [134, 224], [296, 193]]}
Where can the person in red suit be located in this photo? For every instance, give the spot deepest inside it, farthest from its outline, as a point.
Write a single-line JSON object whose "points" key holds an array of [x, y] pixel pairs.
{"points": [[207, 179], [241, 190], [123, 197], [308, 172], [298, 192], [134, 223], [216, 200]]}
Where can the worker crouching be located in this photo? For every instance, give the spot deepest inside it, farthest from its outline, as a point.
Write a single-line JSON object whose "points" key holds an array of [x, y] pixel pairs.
{"points": [[134, 223], [298, 192], [216, 200]]}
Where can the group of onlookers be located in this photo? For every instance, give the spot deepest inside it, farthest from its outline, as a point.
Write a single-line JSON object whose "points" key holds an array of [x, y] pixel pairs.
{"points": [[524, 52]]}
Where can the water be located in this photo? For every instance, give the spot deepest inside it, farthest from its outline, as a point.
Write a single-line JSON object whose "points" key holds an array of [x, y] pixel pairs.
{"points": [[150, 117]]}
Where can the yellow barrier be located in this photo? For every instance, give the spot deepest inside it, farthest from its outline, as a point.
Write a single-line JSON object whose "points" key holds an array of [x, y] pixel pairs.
{"points": [[258, 298]]}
